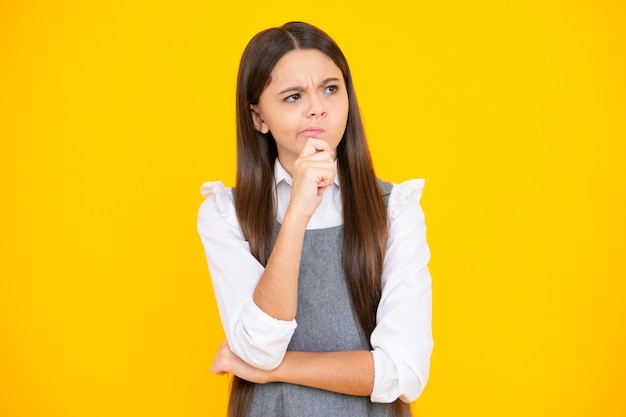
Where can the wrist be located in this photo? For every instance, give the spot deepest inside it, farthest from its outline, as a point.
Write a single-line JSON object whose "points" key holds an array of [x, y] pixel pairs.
{"points": [[280, 373], [296, 219], [271, 376]]}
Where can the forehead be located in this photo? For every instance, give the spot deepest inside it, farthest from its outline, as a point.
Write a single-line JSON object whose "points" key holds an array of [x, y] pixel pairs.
{"points": [[302, 65]]}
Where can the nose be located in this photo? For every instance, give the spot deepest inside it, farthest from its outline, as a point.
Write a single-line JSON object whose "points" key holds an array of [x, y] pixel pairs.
{"points": [[316, 108]]}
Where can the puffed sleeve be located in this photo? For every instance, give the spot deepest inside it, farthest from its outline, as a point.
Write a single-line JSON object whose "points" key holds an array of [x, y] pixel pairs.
{"points": [[402, 340], [253, 335]]}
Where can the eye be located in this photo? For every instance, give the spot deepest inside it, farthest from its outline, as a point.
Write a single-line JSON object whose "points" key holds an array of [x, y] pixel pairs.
{"points": [[331, 89], [293, 98]]}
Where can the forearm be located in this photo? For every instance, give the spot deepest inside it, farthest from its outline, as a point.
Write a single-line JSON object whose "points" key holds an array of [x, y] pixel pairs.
{"points": [[277, 291], [349, 372], [312, 172]]}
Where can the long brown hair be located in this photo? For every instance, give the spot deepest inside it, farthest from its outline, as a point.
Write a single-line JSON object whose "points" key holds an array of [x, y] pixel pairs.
{"points": [[364, 211]]}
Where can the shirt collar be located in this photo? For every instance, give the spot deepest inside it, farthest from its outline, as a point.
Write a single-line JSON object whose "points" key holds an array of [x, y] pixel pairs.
{"points": [[281, 175]]}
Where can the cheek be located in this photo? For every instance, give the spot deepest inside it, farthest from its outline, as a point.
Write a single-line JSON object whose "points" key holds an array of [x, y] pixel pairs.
{"points": [[345, 110], [345, 105], [283, 123]]}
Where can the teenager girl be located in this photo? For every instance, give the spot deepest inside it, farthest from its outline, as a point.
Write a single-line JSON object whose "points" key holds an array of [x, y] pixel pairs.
{"points": [[319, 268]]}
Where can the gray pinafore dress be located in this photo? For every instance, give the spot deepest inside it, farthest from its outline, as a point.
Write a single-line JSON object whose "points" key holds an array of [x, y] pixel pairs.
{"points": [[325, 323]]}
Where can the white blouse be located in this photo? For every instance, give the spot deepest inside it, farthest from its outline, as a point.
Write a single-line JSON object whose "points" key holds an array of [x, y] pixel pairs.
{"points": [[402, 340]]}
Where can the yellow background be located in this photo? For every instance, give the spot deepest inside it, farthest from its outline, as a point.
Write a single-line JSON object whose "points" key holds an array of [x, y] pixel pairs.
{"points": [[112, 114]]}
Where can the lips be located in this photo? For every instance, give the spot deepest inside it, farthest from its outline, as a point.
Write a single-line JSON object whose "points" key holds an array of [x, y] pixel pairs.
{"points": [[312, 131]]}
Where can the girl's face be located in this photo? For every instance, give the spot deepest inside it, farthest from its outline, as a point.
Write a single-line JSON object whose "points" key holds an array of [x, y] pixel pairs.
{"points": [[306, 98]]}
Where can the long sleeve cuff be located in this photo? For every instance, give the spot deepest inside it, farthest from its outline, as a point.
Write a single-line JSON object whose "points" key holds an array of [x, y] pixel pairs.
{"points": [[258, 338], [391, 382], [385, 388]]}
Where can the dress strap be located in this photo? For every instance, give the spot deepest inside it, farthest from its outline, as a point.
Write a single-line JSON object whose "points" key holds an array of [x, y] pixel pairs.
{"points": [[385, 188]]}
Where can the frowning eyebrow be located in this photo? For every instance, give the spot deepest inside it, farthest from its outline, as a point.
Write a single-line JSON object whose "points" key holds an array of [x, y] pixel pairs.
{"points": [[297, 89]]}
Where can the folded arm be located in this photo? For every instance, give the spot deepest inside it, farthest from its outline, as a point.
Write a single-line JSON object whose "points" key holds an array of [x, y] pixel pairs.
{"points": [[255, 336], [348, 372]]}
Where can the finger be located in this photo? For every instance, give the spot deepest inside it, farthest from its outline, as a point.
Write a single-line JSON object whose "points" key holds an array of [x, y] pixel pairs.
{"points": [[321, 156], [216, 369], [324, 183], [314, 145], [315, 169]]}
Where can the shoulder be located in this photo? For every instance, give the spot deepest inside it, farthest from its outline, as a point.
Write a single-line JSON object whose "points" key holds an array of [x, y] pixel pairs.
{"points": [[218, 202], [403, 195]]}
